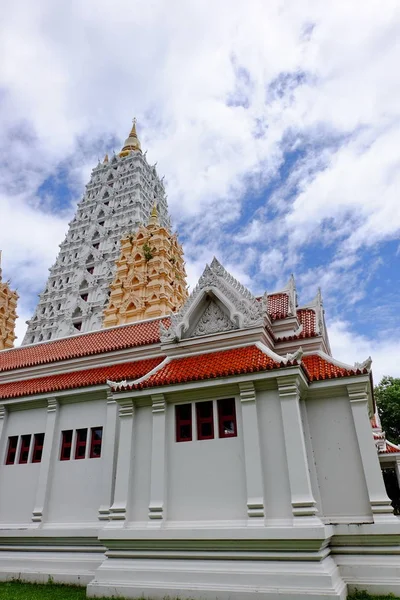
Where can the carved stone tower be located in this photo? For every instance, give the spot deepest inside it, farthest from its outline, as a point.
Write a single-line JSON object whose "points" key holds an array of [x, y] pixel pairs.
{"points": [[118, 199], [8, 314], [150, 280]]}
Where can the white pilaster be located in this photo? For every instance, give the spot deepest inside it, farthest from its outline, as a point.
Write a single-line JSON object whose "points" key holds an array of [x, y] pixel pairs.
{"points": [[380, 503], [397, 469], [109, 451], [302, 499], [123, 479], [251, 441], [49, 453], [158, 459]]}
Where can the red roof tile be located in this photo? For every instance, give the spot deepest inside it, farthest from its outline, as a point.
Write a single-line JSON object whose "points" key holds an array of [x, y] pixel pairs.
{"points": [[318, 368], [97, 342], [374, 423], [78, 379], [278, 306], [307, 319], [210, 366], [390, 449]]}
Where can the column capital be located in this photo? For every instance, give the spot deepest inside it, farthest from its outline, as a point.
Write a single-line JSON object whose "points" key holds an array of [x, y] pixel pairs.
{"points": [[126, 407], [289, 386], [3, 411], [158, 403], [110, 397], [358, 392], [247, 392], [52, 404]]}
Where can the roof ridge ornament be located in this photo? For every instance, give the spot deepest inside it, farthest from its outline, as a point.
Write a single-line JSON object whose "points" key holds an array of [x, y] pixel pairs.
{"points": [[215, 283], [363, 365]]}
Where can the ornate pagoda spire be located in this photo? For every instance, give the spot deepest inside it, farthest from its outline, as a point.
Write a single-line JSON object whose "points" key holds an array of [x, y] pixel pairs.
{"points": [[132, 142], [150, 280], [8, 314]]}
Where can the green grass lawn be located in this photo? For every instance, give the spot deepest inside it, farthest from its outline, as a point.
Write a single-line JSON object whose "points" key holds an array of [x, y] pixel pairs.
{"points": [[16, 590]]}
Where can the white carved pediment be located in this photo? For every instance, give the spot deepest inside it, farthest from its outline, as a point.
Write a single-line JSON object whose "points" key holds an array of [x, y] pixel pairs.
{"points": [[218, 303]]}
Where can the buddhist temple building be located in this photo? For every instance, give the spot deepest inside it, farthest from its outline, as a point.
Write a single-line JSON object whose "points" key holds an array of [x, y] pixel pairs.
{"points": [[204, 446]]}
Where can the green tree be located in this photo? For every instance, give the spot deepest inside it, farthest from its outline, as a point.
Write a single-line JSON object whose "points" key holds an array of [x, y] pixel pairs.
{"points": [[387, 396]]}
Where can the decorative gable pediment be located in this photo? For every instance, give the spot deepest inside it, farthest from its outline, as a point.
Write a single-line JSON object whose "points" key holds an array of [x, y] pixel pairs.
{"points": [[218, 303]]}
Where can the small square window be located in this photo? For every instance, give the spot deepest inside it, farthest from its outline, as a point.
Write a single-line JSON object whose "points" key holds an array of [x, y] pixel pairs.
{"points": [[12, 449], [66, 443], [227, 418], [95, 442], [205, 420], [38, 441], [80, 448], [183, 415], [24, 451]]}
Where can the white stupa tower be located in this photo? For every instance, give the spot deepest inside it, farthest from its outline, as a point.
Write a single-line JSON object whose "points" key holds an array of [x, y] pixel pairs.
{"points": [[119, 197]]}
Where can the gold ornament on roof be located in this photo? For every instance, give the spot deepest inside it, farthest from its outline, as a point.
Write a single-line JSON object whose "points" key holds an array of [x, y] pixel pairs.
{"points": [[132, 142]]}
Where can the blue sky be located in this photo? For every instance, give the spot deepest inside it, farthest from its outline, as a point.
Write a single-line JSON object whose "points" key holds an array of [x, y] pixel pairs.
{"points": [[276, 125]]}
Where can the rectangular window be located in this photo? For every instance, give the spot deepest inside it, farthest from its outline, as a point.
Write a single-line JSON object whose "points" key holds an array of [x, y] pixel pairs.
{"points": [[227, 418], [95, 442], [24, 450], [205, 420], [12, 449], [80, 448], [38, 441], [183, 414], [66, 443]]}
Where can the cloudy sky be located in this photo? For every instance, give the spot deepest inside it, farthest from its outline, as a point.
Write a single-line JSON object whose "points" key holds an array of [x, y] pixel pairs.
{"points": [[275, 123]]}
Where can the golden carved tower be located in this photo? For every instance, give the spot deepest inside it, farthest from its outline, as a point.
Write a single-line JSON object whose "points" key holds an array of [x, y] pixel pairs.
{"points": [[150, 280], [8, 314]]}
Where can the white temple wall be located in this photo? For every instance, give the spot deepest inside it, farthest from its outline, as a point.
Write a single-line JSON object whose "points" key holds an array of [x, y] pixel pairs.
{"points": [[273, 456], [142, 441], [205, 478], [18, 482], [75, 486], [344, 494]]}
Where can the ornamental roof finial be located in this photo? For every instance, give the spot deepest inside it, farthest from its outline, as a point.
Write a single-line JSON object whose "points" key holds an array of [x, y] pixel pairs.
{"points": [[132, 142], [153, 220], [105, 159]]}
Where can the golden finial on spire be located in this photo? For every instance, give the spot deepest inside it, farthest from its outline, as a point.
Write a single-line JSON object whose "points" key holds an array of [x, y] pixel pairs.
{"points": [[153, 220], [105, 159], [132, 142]]}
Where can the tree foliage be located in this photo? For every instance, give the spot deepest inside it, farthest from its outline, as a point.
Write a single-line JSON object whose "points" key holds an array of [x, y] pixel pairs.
{"points": [[387, 396]]}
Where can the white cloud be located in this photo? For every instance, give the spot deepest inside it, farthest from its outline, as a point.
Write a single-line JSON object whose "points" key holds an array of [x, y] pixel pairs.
{"points": [[221, 90]]}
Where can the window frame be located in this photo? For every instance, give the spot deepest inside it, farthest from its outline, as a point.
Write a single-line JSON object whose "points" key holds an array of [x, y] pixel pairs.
{"points": [[25, 446], [12, 450], [80, 443], [204, 420], [180, 422], [95, 443], [38, 443], [230, 416], [66, 445]]}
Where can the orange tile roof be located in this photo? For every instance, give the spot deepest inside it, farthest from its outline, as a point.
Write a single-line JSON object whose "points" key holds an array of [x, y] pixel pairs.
{"points": [[97, 342], [78, 379], [390, 449], [307, 319], [318, 368], [248, 359], [278, 306]]}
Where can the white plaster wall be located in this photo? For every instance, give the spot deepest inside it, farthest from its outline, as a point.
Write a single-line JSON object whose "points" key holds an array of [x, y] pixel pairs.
{"points": [[140, 497], [338, 462], [206, 478], [277, 498], [75, 485], [18, 483]]}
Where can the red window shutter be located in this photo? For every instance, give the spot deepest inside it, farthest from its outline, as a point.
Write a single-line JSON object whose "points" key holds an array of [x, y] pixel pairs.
{"points": [[66, 443], [12, 449], [205, 420], [227, 418], [38, 441], [95, 442], [80, 448], [24, 450], [183, 416]]}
